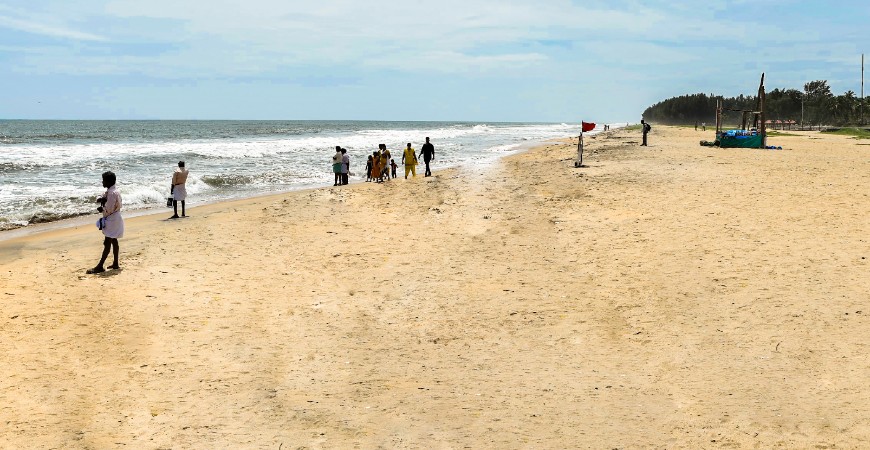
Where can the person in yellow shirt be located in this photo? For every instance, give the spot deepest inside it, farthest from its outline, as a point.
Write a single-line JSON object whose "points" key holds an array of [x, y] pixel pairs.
{"points": [[409, 159]]}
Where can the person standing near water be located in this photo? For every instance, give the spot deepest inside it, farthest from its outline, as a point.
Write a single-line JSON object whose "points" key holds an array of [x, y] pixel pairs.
{"points": [[111, 224], [336, 165], [377, 172], [428, 152], [179, 189], [409, 159], [385, 160], [345, 166]]}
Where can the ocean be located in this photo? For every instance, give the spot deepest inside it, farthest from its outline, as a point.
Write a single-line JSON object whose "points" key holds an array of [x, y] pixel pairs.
{"points": [[51, 170]]}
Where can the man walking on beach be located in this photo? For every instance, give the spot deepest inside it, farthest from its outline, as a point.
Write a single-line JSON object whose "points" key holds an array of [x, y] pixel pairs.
{"points": [[409, 159], [428, 152], [646, 129], [179, 189]]}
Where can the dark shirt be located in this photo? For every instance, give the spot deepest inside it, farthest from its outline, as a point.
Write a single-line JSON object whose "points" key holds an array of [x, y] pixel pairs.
{"points": [[428, 151]]}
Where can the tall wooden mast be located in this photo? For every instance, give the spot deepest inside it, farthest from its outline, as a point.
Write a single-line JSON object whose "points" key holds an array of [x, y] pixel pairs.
{"points": [[760, 124]]}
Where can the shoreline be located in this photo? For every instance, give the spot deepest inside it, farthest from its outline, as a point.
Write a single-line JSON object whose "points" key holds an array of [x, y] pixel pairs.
{"points": [[85, 219], [42, 166]]}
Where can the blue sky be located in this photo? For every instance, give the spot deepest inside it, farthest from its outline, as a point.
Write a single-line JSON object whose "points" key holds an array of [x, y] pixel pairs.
{"points": [[480, 60]]}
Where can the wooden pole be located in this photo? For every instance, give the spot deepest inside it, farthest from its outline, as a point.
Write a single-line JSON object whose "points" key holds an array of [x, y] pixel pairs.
{"points": [[762, 128]]}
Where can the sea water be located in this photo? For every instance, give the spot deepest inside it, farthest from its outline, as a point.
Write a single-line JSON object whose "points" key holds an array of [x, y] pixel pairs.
{"points": [[51, 170]]}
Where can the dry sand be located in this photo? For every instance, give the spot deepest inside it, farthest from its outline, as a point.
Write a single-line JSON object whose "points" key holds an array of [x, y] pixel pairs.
{"points": [[674, 296]]}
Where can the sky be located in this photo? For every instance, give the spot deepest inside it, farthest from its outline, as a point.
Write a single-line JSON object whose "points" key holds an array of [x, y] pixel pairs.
{"points": [[454, 60]]}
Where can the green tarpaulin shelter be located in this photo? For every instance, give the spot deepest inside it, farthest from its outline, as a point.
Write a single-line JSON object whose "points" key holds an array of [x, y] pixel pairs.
{"points": [[732, 141]]}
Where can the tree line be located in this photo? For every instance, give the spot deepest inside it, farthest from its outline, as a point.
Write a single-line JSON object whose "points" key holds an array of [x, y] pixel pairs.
{"points": [[816, 106]]}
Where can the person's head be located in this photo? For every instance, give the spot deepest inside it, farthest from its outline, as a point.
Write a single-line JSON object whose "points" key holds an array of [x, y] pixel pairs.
{"points": [[382, 146], [343, 151], [374, 153], [109, 179], [370, 157], [641, 121], [427, 139], [409, 145], [337, 148], [392, 160], [181, 164]]}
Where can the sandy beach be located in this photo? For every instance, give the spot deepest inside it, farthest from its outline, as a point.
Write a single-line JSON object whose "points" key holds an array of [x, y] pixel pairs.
{"points": [[670, 296]]}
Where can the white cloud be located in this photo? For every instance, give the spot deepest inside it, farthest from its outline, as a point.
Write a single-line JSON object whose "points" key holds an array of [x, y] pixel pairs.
{"points": [[456, 62], [47, 29], [228, 38], [370, 33]]}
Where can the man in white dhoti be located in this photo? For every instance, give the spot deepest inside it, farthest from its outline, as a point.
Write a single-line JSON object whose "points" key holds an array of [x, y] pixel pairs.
{"points": [[178, 189], [111, 224], [345, 166]]}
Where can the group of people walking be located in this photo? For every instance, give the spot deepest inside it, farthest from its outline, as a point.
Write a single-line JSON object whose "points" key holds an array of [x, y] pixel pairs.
{"points": [[380, 165]]}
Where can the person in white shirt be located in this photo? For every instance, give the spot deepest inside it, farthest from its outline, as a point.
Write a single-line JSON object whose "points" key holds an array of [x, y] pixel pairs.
{"points": [[179, 189], [345, 166], [111, 224]]}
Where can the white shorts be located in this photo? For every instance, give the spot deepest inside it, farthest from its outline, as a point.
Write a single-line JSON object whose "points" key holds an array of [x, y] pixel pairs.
{"points": [[179, 192]]}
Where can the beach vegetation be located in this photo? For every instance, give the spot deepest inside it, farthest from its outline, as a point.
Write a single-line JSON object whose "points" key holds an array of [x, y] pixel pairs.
{"points": [[857, 133], [813, 106]]}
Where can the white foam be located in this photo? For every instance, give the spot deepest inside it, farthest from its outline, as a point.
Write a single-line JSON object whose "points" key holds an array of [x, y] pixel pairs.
{"points": [[504, 148], [67, 175]]}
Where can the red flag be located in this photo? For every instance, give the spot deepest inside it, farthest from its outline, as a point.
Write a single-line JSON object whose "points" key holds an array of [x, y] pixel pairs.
{"points": [[587, 126]]}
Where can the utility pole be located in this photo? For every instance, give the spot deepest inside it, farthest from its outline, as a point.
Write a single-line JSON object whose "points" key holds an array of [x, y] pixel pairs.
{"points": [[862, 89]]}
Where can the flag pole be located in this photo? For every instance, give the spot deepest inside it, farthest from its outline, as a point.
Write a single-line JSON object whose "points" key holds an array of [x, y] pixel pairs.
{"points": [[583, 128]]}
